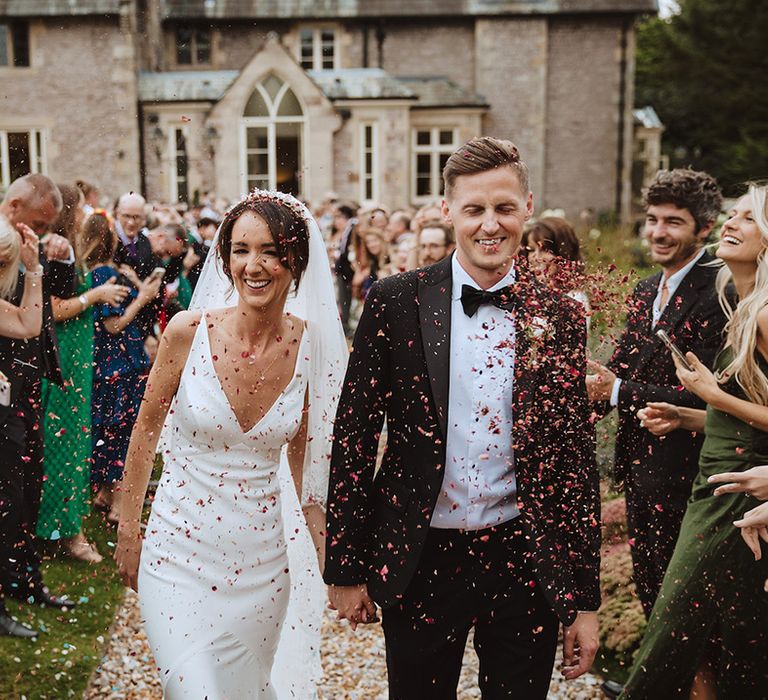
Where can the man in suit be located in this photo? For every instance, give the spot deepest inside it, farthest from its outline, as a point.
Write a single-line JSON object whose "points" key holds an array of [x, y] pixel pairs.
{"points": [[344, 223], [485, 512], [33, 200], [135, 250], [682, 207]]}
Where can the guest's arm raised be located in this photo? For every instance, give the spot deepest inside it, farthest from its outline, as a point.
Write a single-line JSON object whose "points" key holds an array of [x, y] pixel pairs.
{"points": [[162, 385]]}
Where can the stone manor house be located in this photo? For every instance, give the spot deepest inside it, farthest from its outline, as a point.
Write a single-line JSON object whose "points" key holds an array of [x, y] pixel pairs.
{"points": [[362, 97]]}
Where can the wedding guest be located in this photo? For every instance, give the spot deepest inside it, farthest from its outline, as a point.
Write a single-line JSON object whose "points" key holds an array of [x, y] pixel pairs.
{"points": [[402, 257], [26, 319], [344, 224], [707, 635], [119, 365], [371, 261], [135, 251], [33, 201], [682, 207], [18, 322], [65, 500], [399, 225], [435, 242], [91, 195], [554, 254], [430, 211]]}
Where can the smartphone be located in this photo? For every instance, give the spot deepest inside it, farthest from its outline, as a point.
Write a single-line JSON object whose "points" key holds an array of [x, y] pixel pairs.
{"points": [[676, 351], [157, 273]]}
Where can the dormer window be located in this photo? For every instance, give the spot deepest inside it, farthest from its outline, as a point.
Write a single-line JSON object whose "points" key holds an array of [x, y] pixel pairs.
{"points": [[317, 48], [193, 46]]}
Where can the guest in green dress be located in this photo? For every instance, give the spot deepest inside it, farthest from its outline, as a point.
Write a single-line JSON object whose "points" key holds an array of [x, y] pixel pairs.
{"points": [[708, 633], [67, 409]]}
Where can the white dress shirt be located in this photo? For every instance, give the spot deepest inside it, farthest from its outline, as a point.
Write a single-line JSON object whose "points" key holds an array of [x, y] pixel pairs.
{"points": [[673, 282], [479, 488]]}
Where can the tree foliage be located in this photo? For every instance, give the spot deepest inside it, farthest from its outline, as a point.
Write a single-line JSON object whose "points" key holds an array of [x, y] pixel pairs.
{"points": [[705, 72]]}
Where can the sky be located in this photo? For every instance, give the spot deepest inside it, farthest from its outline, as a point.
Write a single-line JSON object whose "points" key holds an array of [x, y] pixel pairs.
{"points": [[667, 7]]}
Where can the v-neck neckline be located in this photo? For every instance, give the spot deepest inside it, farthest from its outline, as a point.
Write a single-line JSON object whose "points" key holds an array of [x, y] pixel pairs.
{"points": [[232, 412]]}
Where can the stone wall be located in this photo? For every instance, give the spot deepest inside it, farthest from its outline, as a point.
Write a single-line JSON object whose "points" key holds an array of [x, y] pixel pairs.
{"points": [[428, 49], [511, 72], [583, 97], [81, 90]]}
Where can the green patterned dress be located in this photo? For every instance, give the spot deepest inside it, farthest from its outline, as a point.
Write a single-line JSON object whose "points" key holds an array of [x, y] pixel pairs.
{"points": [[712, 606], [67, 429]]}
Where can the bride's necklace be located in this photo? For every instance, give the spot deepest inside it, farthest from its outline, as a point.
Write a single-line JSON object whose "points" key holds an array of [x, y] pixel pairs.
{"points": [[253, 358]]}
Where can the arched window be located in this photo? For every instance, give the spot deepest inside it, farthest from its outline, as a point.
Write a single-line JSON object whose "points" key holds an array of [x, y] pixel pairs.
{"points": [[273, 138]]}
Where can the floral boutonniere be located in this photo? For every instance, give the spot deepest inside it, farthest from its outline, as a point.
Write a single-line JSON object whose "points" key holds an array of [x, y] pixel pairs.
{"points": [[539, 332]]}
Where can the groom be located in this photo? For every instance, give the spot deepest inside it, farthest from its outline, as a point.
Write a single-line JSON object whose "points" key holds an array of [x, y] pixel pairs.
{"points": [[485, 511]]}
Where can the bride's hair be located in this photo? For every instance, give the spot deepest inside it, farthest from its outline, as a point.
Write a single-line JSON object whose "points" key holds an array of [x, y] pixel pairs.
{"points": [[286, 224], [741, 329]]}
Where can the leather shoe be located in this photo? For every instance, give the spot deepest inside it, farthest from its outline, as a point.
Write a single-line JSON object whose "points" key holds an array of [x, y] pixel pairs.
{"points": [[612, 689], [10, 628], [41, 596]]}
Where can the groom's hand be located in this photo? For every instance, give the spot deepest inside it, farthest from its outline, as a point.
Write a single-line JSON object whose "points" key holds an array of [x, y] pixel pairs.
{"points": [[352, 603], [580, 642]]}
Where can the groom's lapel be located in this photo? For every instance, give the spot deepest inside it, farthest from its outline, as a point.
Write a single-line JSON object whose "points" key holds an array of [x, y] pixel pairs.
{"points": [[434, 296]]}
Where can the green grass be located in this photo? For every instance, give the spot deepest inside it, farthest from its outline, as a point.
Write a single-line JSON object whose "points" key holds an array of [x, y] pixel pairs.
{"points": [[60, 662]]}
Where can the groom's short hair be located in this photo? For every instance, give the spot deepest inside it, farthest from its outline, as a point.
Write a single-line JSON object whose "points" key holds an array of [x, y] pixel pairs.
{"points": [[480, 154]]}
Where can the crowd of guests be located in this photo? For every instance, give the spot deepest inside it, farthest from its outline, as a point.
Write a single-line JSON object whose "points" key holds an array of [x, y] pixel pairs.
{"points": [[86, 291]]}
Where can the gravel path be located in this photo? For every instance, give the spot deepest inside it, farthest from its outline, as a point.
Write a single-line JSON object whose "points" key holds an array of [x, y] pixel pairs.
{"points": [[353, 662]]}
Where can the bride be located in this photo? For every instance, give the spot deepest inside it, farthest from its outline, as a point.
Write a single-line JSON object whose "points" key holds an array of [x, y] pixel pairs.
{"points": [[234, 382]]}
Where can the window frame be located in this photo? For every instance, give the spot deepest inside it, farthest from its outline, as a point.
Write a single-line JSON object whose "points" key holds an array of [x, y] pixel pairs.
{"points": [[38, 160], [193, 45], [434, 149], [371, 177], [317, 46], [12, 57], [270, 122], [173, 152]]}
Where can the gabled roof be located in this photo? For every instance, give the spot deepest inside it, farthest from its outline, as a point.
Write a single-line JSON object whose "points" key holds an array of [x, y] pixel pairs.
{"points": [[58, 8], [647, 117], [350, 9], [185, 86]]}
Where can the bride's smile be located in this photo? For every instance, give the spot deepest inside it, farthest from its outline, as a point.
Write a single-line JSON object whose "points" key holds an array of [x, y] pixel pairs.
{"points": [[258, 273]]}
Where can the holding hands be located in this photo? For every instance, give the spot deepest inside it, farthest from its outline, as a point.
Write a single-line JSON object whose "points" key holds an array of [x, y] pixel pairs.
{"points": [[352, 603]]}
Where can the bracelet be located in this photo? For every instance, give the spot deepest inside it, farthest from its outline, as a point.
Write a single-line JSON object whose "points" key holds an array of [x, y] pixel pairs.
{"points": [[84, 301], [34, 273]]}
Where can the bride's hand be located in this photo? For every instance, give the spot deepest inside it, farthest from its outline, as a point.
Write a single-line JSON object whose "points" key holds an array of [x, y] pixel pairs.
{"points": [[128, 552]]}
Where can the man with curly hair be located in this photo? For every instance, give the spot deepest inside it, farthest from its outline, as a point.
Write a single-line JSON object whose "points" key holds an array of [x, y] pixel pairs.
{"points": [[682, 207]]}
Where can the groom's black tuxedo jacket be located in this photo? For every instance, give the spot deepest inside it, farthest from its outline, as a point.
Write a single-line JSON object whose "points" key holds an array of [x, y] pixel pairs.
{"points": [[399, 369], [661, 467]]}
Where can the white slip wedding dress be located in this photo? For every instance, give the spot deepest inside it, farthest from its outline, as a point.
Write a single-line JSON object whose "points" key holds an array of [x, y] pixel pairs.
{"points": [[214, 578]]}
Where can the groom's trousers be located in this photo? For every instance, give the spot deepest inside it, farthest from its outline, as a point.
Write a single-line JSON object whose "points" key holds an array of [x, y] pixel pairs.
{"points": [[467, 579]]}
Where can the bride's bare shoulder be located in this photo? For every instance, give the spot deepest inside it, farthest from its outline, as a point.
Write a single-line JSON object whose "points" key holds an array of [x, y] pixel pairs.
{"points": [[181, 328]]}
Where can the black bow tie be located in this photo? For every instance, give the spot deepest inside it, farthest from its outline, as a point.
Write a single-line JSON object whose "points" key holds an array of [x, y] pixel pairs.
{"points": [[472, 299]]}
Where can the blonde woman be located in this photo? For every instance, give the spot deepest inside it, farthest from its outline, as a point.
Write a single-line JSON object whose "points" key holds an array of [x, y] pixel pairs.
{"points": [[25, 320], [708, 633]]}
